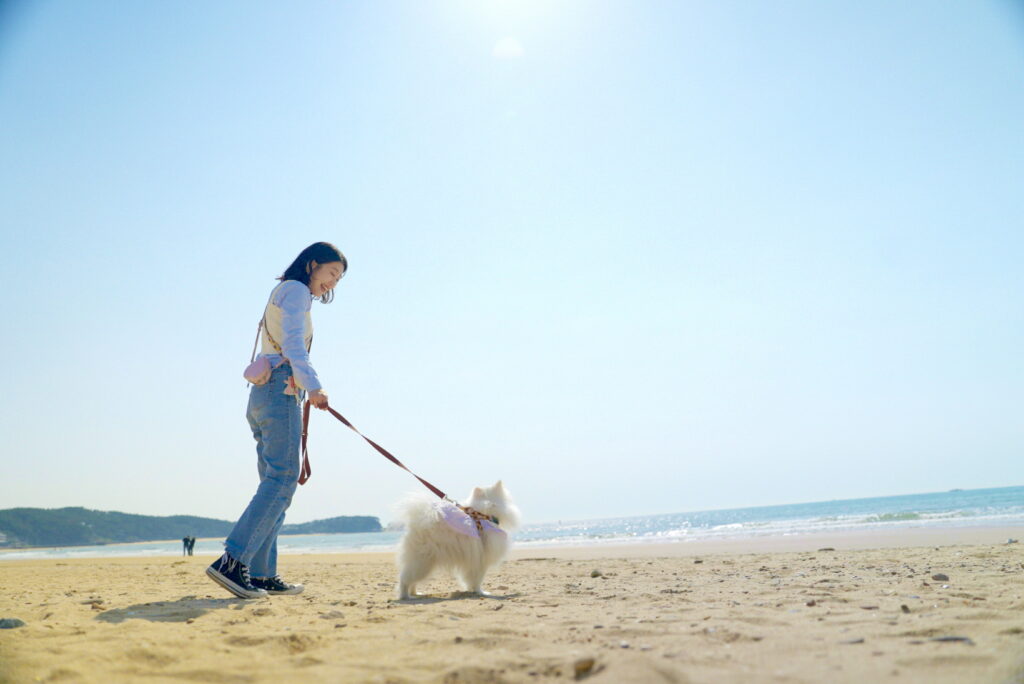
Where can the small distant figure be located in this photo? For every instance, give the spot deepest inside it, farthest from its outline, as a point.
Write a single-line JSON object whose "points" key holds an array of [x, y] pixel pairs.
{"points": [[184, 546], [191, 545]]}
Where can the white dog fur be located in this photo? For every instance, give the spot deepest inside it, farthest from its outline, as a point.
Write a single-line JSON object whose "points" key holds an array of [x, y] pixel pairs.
{"points": [[430, 543]]}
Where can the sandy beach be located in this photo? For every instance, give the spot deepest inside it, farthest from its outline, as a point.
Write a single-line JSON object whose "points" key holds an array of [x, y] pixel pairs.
{"points": [[910, 605]]}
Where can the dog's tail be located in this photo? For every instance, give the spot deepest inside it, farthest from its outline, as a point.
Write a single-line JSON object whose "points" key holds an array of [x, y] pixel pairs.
{"points": [[418, 510]]}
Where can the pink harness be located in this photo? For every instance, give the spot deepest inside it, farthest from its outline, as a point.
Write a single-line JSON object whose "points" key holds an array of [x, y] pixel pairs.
{"points": [[463, 523]]}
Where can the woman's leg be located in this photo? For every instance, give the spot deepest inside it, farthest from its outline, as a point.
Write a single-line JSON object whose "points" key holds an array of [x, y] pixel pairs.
{"points": [[276, 422], [266, 556], [264, 562]]}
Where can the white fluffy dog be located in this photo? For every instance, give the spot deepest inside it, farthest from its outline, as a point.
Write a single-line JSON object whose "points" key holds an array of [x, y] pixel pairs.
{"points": [[440, 535]]}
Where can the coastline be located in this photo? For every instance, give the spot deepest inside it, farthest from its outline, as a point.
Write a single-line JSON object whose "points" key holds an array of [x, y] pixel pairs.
{"points": [[897, 537], [857, 538], [143, 543], [878, 517], [747, 610]]}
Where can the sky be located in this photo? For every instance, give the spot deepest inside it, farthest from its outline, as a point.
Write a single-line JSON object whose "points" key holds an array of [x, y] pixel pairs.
{"points": [[628, 256]]}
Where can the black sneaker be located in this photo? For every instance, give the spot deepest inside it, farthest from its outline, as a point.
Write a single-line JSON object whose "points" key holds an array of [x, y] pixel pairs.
{"points": [[233, 576], [275, 585]]}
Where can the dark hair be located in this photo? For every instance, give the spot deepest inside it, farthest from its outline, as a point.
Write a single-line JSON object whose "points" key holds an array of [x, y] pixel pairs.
{"points": [[321, 253]]}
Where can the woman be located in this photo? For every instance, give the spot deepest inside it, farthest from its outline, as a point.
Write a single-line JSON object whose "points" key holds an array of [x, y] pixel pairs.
{"points": [[248, 568]]}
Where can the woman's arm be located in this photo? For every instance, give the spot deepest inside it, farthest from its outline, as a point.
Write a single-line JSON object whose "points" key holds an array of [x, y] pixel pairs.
{"points": [[294, 301]]}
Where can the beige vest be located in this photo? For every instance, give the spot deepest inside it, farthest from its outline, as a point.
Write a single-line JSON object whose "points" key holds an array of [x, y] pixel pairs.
{"points": [[273, 331]]}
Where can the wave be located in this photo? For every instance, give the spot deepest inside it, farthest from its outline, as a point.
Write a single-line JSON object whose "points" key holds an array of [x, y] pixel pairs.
{"points": [[558, 535]]}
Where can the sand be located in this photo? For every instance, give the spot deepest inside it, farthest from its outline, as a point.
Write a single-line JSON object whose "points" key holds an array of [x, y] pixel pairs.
{"points": [[766, 610]]}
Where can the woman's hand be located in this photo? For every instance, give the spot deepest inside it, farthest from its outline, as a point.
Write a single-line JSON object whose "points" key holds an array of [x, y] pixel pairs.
{"points": [[318, 398]]}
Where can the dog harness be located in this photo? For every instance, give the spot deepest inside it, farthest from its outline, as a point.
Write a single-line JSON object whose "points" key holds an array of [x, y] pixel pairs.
{"points": [[466, 520], [462, 519]]}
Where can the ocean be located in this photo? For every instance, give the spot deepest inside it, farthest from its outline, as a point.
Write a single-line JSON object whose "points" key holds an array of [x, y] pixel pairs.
{"points": [[1002, 506]]}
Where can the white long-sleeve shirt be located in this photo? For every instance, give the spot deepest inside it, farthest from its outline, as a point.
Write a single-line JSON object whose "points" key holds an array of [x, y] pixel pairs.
{"points": [[288, 321]]}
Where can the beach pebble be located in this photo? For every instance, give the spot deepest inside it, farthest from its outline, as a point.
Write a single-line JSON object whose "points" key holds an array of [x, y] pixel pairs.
{"points": [[623, 644], [811, 603], [939, 577], [1011, 541], [852, 641], [331, 615], [458, 640], [595, 573], [953, 639], [583, 667], [826, 548], [697, 561], [904, 608], [11, 623]]}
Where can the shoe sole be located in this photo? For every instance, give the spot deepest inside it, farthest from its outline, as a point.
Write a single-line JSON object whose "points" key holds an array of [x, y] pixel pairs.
{"points": [[290, 592], [239, 591]]}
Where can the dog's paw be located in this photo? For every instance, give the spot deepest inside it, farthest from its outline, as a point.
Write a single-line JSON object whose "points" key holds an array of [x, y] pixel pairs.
{"points": [[414, 598]]}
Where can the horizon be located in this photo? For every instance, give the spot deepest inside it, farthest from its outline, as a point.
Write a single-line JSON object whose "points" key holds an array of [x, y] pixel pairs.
{"points": [[623, 256], [386, 523]]}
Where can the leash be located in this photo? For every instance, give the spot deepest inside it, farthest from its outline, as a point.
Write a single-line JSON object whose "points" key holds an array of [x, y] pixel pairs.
{"points": [[306, 472]]}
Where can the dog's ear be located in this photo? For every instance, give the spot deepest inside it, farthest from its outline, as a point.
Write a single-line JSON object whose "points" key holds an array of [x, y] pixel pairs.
{"points": [[478, 492], [499, 486]]}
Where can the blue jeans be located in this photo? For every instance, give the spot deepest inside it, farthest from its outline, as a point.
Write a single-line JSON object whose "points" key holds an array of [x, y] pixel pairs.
{"points": [[276, 422]]}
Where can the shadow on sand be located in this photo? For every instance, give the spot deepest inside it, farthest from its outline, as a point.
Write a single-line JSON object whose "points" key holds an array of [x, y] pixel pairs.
{"points": [[454, 596], [185, 608]]}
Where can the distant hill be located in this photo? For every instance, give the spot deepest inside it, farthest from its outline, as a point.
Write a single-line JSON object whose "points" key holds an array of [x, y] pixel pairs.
{"points": [[345, 523], [20, 527]]}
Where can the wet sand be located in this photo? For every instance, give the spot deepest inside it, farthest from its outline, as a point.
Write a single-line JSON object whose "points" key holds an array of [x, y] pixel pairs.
{"points": [[757, 610]]}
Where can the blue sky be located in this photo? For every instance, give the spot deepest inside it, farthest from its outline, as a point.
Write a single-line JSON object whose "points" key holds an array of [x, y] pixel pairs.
{"points": [[631, 257]]}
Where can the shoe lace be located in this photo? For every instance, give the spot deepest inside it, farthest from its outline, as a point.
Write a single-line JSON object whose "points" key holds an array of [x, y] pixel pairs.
{"points": [[243, 570]]}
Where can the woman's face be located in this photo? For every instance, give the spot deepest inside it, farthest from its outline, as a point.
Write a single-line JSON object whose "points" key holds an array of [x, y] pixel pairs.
{"points": [[323, 277]]}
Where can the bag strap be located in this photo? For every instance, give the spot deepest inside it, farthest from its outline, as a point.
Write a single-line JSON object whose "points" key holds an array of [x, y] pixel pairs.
{"points": [[259, 328], [305, 472], [263, 322]]}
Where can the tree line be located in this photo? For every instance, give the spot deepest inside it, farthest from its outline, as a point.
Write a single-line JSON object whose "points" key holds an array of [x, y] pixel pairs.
{"points": [[78, 526]]}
